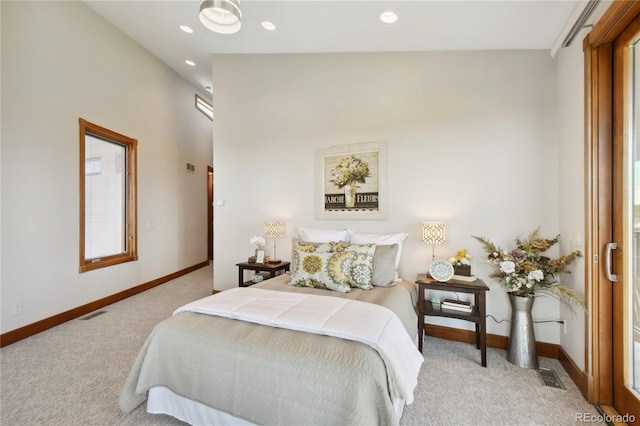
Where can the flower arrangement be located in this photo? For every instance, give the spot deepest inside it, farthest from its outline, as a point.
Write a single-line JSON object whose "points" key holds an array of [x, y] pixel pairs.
{"points": [[523, 271], [461, 259], [349, 171], [257, 241]]}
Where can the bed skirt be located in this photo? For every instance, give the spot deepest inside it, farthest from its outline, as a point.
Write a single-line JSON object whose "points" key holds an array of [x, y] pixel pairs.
{"points": [[163, 401]]}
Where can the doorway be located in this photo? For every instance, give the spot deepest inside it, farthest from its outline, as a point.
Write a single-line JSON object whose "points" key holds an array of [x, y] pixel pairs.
{"points": [[612, 64]]}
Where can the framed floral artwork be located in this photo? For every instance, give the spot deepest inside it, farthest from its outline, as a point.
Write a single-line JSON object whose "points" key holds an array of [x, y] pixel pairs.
{"points": [[351, 182]]}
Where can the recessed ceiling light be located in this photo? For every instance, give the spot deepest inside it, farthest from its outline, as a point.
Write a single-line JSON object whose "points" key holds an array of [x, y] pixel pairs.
{"points": [[388, 17], [186, 29], [188, 62], [208, 89], [267, 25]]}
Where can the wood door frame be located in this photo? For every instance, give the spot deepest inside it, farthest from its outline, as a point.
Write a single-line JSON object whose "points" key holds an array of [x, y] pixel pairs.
{"points": [[627, 399], [598, 221], [601, 100], [210, 212]]}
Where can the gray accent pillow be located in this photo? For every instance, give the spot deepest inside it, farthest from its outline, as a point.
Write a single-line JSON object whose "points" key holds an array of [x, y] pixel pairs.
{"points": [[384, 265]]}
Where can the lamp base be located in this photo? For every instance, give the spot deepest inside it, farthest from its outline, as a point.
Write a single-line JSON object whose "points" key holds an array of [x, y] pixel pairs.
{"points": [[272, 261]]}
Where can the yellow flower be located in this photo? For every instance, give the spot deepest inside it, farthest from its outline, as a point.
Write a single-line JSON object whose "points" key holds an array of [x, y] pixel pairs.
{"points": [[461, 258]]}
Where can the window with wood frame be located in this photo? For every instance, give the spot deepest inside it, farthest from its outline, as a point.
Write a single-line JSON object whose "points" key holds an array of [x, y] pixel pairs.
{"points": [[204, 107], [108, 201]]}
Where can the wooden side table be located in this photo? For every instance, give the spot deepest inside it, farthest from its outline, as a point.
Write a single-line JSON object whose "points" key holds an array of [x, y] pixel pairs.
{"points": [[273, 269], [478, 315]]}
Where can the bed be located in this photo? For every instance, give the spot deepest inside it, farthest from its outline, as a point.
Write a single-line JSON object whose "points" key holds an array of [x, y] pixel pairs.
{"points": [[211, 369]]}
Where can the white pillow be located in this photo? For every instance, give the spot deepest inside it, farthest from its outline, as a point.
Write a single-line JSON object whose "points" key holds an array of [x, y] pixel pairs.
{"points": [[323, 235], [380, 239]]}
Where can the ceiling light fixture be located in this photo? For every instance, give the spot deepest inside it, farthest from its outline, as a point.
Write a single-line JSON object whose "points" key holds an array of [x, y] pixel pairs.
{"points": [[268, 25], [188, 62], [388, 17], [186, 29], [221, 16]]}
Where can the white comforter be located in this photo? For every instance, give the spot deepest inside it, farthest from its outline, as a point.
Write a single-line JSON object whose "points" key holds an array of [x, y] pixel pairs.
{"points": [[363, 322]]}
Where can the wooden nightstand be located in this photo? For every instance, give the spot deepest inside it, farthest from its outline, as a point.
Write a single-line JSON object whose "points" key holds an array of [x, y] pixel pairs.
{"points": [[273, 269], [478, 315]]}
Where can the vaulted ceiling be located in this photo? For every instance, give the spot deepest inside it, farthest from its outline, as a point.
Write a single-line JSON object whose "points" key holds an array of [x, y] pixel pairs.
{"points": [[305, 26]]}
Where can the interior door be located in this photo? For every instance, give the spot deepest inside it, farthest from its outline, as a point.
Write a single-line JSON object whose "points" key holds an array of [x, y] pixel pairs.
{"points": [[622, 255]]}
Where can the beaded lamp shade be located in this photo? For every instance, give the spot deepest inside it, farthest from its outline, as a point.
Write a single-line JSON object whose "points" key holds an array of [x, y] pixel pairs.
{"points": [[274, 229]]}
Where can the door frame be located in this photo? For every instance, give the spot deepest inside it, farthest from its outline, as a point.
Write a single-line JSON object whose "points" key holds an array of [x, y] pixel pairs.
{"points": [[209, 212], [601, 132]]}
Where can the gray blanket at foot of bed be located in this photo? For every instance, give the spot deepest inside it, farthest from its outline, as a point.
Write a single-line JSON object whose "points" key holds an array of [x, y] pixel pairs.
{"points": [[269, 375]]}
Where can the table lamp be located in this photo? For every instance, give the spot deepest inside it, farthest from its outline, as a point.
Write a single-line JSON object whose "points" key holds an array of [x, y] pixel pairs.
{"points": [[274, 229], [433, 233]]}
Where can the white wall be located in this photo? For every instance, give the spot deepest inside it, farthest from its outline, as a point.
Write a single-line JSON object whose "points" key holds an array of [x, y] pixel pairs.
{"points": [[472, 140], [61, 61], [572, 198]]}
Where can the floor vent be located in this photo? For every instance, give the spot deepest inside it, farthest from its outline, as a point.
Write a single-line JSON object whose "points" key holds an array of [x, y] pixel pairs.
{"points": [[93, 315], [548, 377]]}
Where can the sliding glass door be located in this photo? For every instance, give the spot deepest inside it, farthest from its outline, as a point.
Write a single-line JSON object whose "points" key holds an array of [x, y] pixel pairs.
{"points": [[623, 252], [612, 63], [632, 228]]}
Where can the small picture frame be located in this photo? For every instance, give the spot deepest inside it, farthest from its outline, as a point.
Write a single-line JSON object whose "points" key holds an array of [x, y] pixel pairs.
{"points": [[259, 256]]}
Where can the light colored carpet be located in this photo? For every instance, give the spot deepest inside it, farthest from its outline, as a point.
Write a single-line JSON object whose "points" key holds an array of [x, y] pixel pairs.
{"points": [[453, 389], [73, 374]]}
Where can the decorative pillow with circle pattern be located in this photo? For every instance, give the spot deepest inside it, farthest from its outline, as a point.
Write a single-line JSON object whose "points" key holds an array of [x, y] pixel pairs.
{"points": [[301, 246], [338, 246], [312, 247], [330, 271], [362, 267]]}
